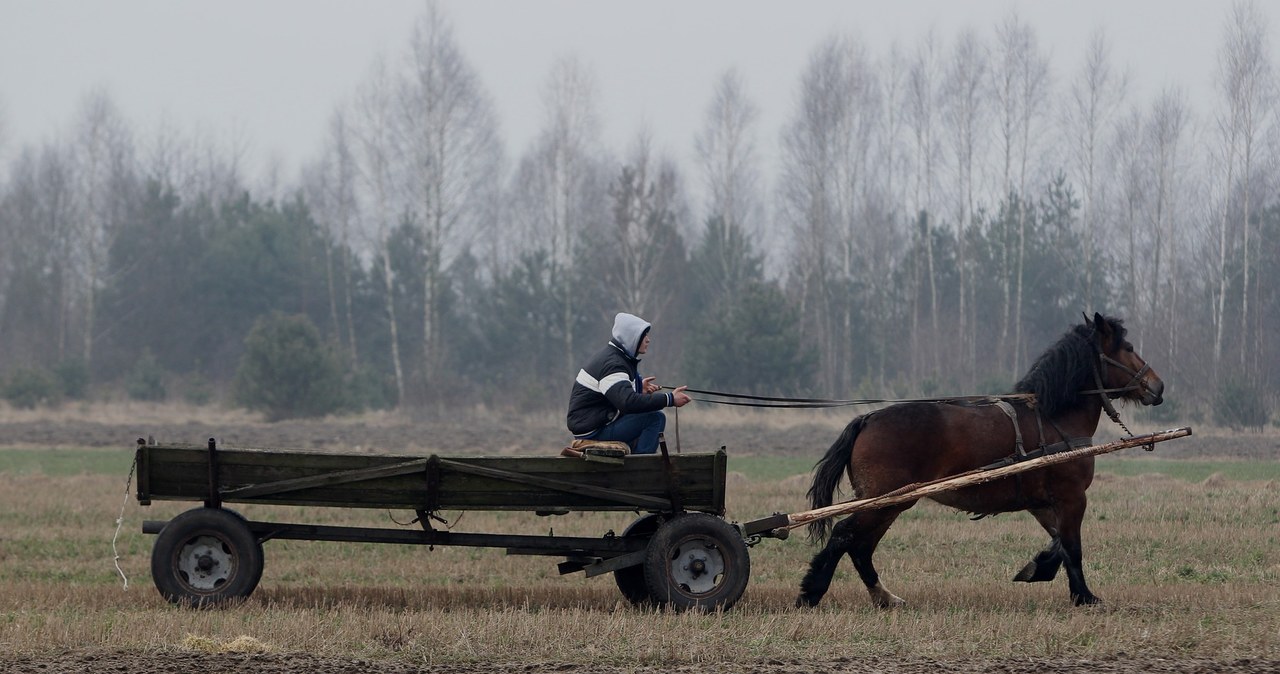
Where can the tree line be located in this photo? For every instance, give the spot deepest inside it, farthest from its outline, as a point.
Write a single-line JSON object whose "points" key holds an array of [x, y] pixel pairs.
{"points": [[937, 215]]}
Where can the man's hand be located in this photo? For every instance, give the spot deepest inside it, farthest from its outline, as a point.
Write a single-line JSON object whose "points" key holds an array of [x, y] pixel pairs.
{"points": [[650, 385], [680, 397]]}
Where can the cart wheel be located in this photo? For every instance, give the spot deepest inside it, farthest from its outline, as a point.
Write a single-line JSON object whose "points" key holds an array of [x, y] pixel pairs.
{"points": [[697, 561], [631, 579], [206, 556]]}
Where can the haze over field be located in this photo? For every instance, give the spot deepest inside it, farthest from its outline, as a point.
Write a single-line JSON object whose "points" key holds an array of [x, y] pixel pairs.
{"points": [[847, 197]]}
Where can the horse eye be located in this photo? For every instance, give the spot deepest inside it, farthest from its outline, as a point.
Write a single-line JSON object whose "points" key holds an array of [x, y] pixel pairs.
{"points": [[1128, 347]]}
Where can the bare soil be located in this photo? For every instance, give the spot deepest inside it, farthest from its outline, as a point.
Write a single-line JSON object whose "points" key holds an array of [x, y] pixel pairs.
{"points": [[167, 663]]}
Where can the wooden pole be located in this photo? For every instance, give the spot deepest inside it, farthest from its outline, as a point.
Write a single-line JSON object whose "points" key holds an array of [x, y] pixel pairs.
{"points": [[917, 491]]}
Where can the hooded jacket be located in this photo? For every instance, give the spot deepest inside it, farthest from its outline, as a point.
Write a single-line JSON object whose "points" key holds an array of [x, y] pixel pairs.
{"points": [[610, 384]]}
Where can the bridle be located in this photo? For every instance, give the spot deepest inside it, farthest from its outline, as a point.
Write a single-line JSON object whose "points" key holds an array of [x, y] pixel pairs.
{"points": [[1108, 394]]}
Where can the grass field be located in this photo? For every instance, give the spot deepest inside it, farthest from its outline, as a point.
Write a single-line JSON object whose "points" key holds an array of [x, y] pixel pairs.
{"points": [[1186, 555]]}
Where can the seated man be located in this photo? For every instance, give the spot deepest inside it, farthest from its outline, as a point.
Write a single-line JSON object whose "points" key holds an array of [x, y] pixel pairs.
{"points": [[610, 401]]}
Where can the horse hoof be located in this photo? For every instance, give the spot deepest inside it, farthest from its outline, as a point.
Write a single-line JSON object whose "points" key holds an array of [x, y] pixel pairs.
{"points": [[1086, 600], [804, 601], [883, 598], [1026, 574]]}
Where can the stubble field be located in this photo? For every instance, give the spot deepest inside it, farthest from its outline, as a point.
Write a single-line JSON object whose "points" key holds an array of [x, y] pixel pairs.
{"points": [[1183, 545]]}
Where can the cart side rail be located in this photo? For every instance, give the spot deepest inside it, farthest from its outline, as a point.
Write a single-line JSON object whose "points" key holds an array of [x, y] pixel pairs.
{"points": [[286, 477]]}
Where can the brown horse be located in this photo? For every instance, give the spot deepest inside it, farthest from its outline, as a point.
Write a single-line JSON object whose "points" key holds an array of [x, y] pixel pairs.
{"points": [[908, 443]]}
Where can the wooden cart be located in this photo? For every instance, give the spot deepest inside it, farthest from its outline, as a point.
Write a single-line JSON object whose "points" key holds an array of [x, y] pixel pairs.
{"points": [[679, 552]]}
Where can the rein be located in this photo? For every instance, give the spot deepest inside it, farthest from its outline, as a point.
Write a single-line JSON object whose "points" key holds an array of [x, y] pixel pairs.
{"points": [[744, 400]]}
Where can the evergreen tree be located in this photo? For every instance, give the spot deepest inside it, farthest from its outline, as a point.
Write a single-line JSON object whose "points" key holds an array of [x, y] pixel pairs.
{"points": [[288, 371]]}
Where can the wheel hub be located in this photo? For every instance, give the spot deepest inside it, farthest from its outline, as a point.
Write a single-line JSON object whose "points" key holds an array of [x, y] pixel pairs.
{"points": [[697, 565], [205, 563]]}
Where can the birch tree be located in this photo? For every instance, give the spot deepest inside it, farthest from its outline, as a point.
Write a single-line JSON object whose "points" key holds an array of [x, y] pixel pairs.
{"points": [[965, 115], [1095, 95], [823, 189], [726, 151], [923, 112], [1020, 79], [331, 188], [559, 189], [1166, 129], [375, 150], [1244, 79], [452, 158], [104, 170]]}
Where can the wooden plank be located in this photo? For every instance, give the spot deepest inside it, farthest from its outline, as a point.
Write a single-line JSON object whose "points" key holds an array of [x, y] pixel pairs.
{"points": [[559, 485], [915, 492], [326, 480]]}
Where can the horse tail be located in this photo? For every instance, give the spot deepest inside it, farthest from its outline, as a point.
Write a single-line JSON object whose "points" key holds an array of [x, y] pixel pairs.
{"points": [[827, 474]]}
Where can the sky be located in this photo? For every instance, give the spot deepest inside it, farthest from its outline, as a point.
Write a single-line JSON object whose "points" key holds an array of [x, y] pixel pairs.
{"points": [[272, 71]]}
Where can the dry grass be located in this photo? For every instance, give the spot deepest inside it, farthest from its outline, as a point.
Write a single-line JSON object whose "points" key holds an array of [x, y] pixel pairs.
{"points": [[1189, 569]]}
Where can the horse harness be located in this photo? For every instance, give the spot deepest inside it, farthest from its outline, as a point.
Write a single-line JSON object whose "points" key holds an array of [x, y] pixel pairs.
{"points": [[1066, 444]]}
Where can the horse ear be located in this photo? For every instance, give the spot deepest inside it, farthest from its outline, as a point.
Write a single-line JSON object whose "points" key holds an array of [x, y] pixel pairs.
{"points": [[1101, 325], [1086, 319]]}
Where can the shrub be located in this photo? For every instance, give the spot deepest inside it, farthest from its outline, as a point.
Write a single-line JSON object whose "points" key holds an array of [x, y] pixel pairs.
{"points": [[198, 390], [29, 388], [1239, 405], [73, 378], [369, 390], [146, 380], [287, 371]]}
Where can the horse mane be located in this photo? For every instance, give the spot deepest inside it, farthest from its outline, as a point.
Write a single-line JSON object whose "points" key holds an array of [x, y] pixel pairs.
{"points": [[1066, 368]]}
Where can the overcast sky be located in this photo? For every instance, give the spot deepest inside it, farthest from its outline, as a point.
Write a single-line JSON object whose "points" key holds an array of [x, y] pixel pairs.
{"points": [[274, 69]]}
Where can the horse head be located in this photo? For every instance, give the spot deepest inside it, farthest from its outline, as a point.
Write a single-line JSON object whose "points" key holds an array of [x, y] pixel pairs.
{"points": [[1119, 371]]}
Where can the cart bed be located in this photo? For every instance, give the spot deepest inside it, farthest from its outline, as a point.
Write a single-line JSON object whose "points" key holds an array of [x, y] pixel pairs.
{"points": [[177, 472]]}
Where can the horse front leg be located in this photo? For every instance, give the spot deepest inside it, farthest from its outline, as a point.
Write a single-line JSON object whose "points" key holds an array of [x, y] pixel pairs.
{"points": [[1071, 515]]}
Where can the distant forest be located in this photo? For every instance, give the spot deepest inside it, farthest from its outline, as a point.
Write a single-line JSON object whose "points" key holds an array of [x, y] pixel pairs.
{"points": [[937, 215]]}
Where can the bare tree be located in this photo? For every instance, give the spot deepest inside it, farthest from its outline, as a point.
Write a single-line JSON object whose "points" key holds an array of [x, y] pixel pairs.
{"points": [[452, 158], [40, 221], [375, 157], [824, 190], [195, 164], [559, 189], [923, 111], [1244, 78], [727, 152], [1168, 125], [104, 174], [1020, 79], [1130, 161], [331, 188], [4, 139], [646, 201], [1096, 93], [965, 115]]}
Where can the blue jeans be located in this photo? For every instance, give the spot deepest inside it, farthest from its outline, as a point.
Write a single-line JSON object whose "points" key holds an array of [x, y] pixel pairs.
{"points": [[638, 430]]}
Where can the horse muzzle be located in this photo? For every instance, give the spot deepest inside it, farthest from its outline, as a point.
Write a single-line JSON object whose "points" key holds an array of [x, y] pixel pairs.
{"points": [[1152, 392]]}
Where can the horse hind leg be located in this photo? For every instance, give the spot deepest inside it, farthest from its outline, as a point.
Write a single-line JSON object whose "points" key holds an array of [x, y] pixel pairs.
{"points": [[1044, 566], [817, 580], [856, 536]]}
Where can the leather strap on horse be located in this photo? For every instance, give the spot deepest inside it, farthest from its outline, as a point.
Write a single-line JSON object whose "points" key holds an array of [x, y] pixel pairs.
{"points": [[1020, 454], [1017, 430]]}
